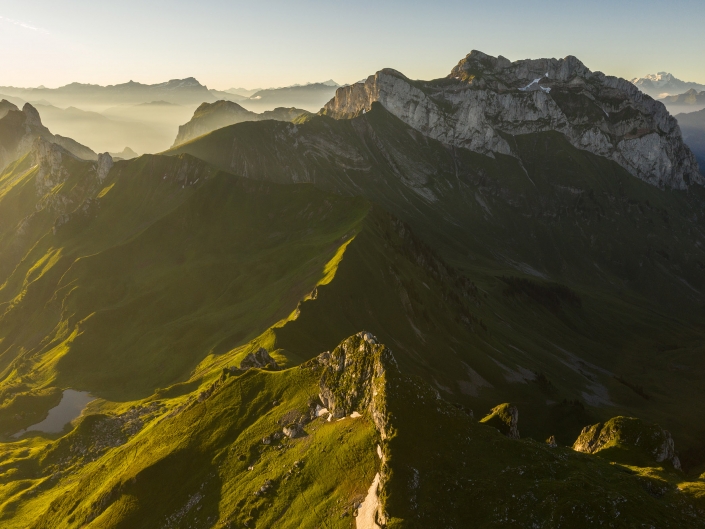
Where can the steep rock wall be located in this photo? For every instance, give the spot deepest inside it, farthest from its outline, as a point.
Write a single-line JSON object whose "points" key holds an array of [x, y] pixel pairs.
{"points": [[486, 100]]}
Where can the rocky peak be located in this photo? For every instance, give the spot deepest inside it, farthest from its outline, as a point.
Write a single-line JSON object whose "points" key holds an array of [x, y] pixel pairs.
{"points": [[485, 100], [105, 163], [180, 84], [658, 79], [354, 378], [5, 107], [499, 71], [32, 116]]}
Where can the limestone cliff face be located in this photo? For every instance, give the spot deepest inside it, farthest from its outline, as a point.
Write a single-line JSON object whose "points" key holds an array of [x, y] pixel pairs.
{"points": [[487, 100], [104, 165], [212, 116]]}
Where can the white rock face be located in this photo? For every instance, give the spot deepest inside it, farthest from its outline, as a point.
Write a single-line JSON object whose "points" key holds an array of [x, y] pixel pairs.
{"points": [[48, 157], [105, 163], [486, 100]]}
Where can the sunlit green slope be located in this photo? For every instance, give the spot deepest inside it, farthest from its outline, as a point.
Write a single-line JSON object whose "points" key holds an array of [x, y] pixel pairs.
{"points": [[556, 211], [122, 285], [198, 460], [218, 457], [556, 282], [590, 282]]}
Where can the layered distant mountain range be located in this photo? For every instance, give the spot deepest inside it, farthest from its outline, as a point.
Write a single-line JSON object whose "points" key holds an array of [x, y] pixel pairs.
{"points": [[665, 84], [147, 117], [184, 92], [693, 128]]}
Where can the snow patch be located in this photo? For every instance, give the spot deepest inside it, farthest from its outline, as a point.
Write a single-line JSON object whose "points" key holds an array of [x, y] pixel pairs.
{"points": [[367, 513], [527, 88]]}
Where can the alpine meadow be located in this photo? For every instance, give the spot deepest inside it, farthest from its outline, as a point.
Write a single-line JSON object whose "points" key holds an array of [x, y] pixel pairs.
{"points": [[471, 301]]}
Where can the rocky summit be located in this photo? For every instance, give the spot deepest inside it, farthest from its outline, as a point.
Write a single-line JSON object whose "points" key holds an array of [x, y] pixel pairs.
{"points": [[20, 128], [485, 101]]}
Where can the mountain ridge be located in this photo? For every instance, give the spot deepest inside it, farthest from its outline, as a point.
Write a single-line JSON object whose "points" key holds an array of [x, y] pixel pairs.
{"points": [[211, 116], [485, 98], [20, 128], [372, 316], [180, 91]]}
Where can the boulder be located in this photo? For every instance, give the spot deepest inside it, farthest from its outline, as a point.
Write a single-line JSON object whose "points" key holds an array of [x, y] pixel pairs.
{"points": [[504, 418], [293, 430], [259, 359], [630, 441]]}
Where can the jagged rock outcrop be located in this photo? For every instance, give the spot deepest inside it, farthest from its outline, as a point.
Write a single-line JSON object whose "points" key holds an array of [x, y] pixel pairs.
{"points": [[5, 107], [629, 440], [212, 116], [51, 172], [51, 162], [20, 128], [487, 100], [354, 378], [505, 418], [259, 359], [105, 163]]}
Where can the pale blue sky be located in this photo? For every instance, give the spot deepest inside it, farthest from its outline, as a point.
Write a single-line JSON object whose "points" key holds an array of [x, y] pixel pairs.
{"points": [[276, 43]]}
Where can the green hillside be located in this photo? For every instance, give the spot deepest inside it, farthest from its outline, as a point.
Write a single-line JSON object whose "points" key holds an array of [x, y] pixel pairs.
{"points": [[589, 281], [212, 116], [134, 467], [540, 214], [552, 288], [121, 286]]}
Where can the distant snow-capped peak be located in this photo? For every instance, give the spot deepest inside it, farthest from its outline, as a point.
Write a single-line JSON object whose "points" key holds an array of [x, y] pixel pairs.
{"points": [[657, 79]]}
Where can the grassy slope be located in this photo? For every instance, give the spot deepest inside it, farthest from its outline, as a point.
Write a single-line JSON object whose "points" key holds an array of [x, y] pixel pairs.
{"points": [[478, 344], [441, 467], [633, 254], [174, 260], [163, 478], [447, 470], [548, 213]]}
